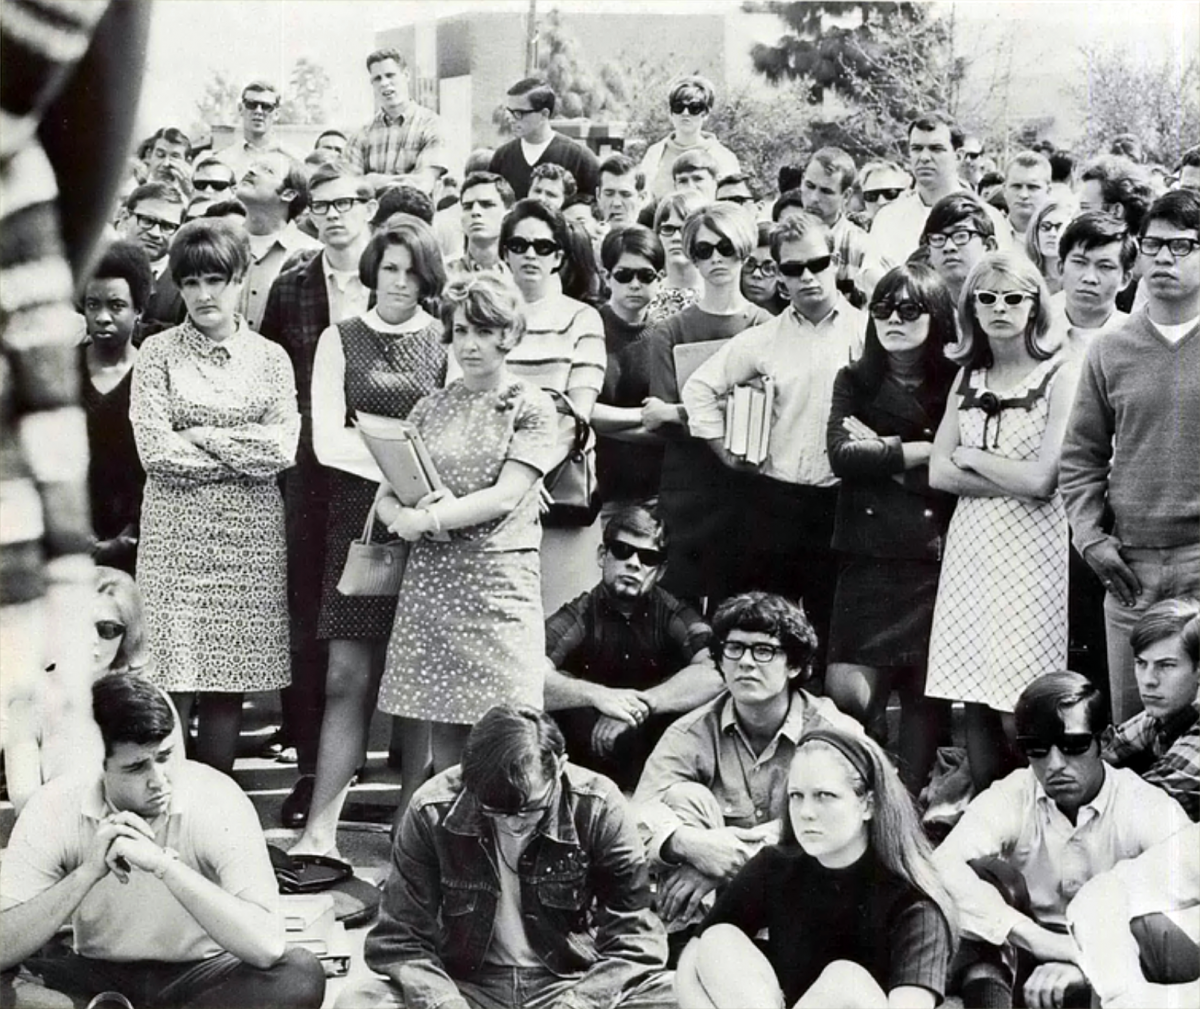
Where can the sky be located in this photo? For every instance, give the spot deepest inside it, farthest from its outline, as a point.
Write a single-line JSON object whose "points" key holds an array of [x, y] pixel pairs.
{"points": [[252, 38]]}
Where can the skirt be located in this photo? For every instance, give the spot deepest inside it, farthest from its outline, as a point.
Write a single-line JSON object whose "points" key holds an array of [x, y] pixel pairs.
{"points": [[883, 612]]}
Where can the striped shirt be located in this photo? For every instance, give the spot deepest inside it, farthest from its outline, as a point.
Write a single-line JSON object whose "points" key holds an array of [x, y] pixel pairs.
{"points": [[415, 140], [563, 346], [855, 252]]}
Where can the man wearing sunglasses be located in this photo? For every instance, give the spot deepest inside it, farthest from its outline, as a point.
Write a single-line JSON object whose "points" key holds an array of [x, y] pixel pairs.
{"points": [[1128, 473], [152, 215], [690, 102], [626, 658], [530, 106], [259, 111], [1024, 847], [213, 179], [714, 790], [879, 183], [970, 161], [517, 880]]}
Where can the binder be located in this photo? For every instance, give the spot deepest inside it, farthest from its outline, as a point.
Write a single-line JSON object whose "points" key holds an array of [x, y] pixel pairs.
{"points": [[687, 357], [401, 455]]}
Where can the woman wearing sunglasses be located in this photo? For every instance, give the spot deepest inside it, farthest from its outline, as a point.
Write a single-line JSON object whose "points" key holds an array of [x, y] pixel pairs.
{"points": [[890, 525], [562, 350], [854, 911], [682, 284], [1001, 615], [690, 101]]}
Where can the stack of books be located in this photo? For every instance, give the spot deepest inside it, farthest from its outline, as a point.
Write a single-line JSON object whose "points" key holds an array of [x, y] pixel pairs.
{"points": [[310, 922], [748, 420]]}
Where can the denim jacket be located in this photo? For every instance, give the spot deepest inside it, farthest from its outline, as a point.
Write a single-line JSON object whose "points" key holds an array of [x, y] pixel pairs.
{"points": [[585, 894]]}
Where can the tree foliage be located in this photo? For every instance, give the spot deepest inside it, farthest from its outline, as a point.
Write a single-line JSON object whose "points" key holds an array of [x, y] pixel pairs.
{"points": [[1158, 102], [303, 100]]}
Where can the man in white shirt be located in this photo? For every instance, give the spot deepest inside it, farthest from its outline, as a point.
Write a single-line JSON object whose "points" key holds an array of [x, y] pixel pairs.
{"points": [[1026, 188], [274, 192], [1046, 830], [259, 109], [932, 142]]}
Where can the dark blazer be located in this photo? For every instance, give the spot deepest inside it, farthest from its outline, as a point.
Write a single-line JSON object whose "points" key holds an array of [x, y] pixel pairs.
{"points": [[876, 515], [164, 310]]}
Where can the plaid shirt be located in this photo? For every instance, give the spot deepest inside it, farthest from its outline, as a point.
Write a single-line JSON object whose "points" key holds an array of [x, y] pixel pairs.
{"points": [[413, 141], [1166, 753]]}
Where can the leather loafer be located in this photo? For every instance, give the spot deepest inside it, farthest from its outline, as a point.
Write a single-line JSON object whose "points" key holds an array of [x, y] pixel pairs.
{"points": [[294, 812]]}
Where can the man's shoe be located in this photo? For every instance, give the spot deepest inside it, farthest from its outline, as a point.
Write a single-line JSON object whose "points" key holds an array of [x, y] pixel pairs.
{"points": [[294, 812]]}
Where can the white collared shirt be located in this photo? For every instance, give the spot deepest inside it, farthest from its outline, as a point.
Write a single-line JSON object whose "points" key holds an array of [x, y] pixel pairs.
{"points": [[347, 294], [267, 263], [896, 230]]}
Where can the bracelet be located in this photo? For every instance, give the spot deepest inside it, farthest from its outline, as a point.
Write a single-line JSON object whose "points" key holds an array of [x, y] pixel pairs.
{"points": [[172, 856], [437, 526]]}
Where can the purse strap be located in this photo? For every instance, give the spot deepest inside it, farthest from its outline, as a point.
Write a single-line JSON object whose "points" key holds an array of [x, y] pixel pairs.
{"points": [[582, 428], [370, 526]]}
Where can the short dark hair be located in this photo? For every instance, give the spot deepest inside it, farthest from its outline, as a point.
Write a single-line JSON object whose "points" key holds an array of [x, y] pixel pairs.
{"points": [[1038, 712], [213, 159], [790, 198], [418, 238], [223, 208], [505, 749], [927, 122], [503, 186], [172, 135], [955, 209], [332, 171], [530, 208], [1062, 166], [989, 179], [767, 613], [153, 191], [1122, 182], [127, 261], [260, 85], [130, 709], [541, 96], [695, 160], [1179, 208], [1190, 159], [834, 159], [549, 170], [403, 199], [1127, 145], [583, 200], [1091, 230], [635, 239], [387, 53], [738, 179], [208, 246], [789, 177], [329, 133], [636, 520], [1169, 618], [621, 164]]}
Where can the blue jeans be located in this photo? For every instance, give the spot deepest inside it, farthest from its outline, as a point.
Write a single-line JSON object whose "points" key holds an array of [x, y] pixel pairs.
{"points": [[1165, 573]]}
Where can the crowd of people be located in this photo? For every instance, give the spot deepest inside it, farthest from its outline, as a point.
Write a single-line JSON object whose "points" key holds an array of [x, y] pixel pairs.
{"points": [[639, 682]]}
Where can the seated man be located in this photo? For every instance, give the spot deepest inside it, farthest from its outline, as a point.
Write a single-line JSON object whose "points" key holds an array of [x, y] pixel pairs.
{"points": [[517, 880], [1138, 927], [627, 657], [1162, 742], [714, 789], [1038, 835], [160, 867]]}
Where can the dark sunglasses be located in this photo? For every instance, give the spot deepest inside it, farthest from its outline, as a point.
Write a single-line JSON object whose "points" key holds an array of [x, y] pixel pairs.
{"points": [[109, 630], [909, 311], [624, 274], [622, 551], [739, 200], [256, 106], [796, 268], [972, 155], [695, 108], [1070, 744], [540, 246], [705, 250], [873, 195], [216, 185], [1012, 299]]}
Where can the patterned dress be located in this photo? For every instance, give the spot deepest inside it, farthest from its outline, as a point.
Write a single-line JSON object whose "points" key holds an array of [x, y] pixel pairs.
{"points": [[669, 301], [211, 562], [386, 373], [1001, 614], [469, 629]]}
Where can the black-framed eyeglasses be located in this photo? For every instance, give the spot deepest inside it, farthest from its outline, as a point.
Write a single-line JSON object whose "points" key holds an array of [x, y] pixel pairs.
{"points": [[622, 551], [796, 267], [909, 311], [739, 200], [761, 652], [767, 267], [1011, 298], [1177, 247], [541, 246], [109, 630], [959, 236], [705, 250], [214, 185], [694, 108], [972, 155], [342, 205], [874, 195], [625, 274], [669, 230], [147, 223], [254, 105], [1050, 227], [521, 113], [1070, 744]]}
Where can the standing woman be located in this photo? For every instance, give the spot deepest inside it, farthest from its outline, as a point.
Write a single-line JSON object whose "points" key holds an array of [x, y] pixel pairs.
{"points": [[469, 622], [855, 913], [890, 525], [690, 102], [562, 350], [381, 362], [682, 285], [214, 414], [1001, 615], [1041, 240]]}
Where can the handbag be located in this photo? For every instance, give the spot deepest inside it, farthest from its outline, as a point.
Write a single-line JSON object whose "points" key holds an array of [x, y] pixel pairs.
{"points": [[572, 483], [373, 569]]}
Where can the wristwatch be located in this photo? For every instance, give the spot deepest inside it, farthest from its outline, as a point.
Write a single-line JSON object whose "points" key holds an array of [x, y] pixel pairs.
{"points": [[171, 856]]}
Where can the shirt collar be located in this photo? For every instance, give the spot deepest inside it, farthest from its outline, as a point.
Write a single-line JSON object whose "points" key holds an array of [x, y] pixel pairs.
{"points": [[605, 599], [1098, 804], [793, 722], [839, 303], [95, 808], [464, 817], [398, 118], [229, 349]]}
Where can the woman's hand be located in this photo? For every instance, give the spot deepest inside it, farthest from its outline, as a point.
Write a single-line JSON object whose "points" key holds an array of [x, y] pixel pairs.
{"points": [[434, 496], [657, 413], [411, 524], [964, 457]]}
